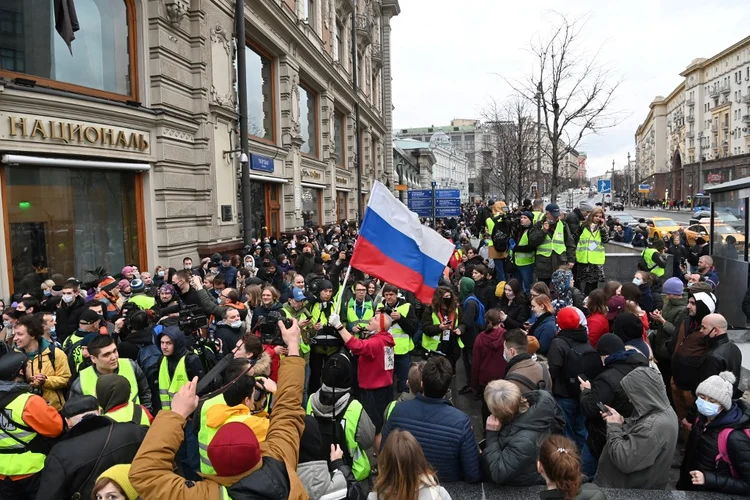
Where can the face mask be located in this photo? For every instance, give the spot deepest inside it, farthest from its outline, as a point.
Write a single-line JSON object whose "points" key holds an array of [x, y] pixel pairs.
{"points": [[707, 409], [68, 298], [637, 281], [505, 357], [7, 324], [690, 284], [47, 293], [187, 268], [447, 301], [161, 274], [235, 324], [218, 300]]}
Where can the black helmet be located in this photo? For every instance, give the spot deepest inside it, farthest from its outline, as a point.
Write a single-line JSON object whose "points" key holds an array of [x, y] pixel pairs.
{"points": [[11, 365]]}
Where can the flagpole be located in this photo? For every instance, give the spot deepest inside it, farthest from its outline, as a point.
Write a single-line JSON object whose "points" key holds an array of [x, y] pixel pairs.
{"points": [[346, 280]]}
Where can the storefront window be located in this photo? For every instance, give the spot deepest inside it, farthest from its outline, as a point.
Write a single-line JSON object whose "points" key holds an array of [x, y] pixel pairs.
{"points": [[65, 222], [729, 229], [259, 71], [258, 208], [99, 57], [311, 206], [308, 121], [342, 206], [338, 132]]}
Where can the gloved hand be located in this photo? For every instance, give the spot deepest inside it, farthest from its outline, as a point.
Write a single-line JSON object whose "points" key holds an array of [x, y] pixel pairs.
{"points": [[334, 320]]}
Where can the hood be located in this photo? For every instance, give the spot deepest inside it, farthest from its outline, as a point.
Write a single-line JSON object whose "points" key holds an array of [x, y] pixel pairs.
{"points": [[645, 388], [579, 334], [540, 415], [322, 402], [315, 477], [6, 387], [681, 302], [141, 337], [465, 287], [262, 367], [737, 417], [219, 413], [112, 390], [495, 338], [178, 338]]}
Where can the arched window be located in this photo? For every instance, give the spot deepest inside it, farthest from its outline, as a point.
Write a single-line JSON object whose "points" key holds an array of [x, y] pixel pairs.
{"points": [[101, 60]]}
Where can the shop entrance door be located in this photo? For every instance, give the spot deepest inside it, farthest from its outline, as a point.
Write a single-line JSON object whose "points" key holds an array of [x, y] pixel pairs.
{"points": [[273, 210], [342, 206]]}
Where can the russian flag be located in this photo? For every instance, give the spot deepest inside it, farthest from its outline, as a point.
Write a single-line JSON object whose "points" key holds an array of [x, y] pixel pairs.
{"points": [[393, 246]]}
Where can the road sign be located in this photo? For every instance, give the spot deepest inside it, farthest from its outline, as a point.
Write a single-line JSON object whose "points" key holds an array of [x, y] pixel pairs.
{"points": [[420, 203], [644, 188], [447, 212], [420, 193], [448, 203], [422, 212], [447, 193], [401, 187], [604, 185]]}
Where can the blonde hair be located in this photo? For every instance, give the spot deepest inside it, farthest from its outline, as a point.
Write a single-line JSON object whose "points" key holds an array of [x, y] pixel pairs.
{"points": [[504, 400]]}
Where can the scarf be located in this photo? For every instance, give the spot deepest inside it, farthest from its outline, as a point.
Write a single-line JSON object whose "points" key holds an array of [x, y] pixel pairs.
{"points": [[322, 401]]}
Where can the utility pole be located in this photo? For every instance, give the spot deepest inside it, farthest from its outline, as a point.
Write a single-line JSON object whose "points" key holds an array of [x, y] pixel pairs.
{"points": [[355, 87], [539, 140], [627, 171], [247, 220]]}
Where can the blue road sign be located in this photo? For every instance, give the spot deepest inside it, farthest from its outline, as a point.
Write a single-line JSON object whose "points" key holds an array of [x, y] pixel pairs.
{"points": [[643, 187], [447, 212], [422, 212], [447, 193], [420, 193], [420, 203], [448, 203], [604, 185]]}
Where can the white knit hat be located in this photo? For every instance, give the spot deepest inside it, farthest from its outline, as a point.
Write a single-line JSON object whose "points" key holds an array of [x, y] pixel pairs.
{"points": [[719, 388]]}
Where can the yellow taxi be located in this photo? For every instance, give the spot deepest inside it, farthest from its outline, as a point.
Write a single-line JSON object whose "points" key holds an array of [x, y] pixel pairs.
{"points": [[703, 228], [659, 226]]}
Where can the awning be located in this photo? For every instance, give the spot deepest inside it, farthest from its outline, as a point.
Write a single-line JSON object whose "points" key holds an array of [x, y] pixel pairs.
{"points": [[268, 178], [344, 189], [72, 163], [313, 185]]}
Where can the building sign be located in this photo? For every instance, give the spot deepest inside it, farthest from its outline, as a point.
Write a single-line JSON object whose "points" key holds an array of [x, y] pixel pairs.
{"points": [[713, 178], [342, 180], [261, 163], [308, 173], [36, 129]]}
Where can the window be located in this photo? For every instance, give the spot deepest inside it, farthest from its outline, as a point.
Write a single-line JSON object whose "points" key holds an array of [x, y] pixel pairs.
{"points": [[374, 154], [338, 132], [260, 89], [101, 60], [309, 6], [338, 47], [308, 120]]}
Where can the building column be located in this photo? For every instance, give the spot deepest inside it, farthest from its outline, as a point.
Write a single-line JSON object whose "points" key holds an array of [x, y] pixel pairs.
{"points": [[291, 140], [390, 8], [328, 146]]}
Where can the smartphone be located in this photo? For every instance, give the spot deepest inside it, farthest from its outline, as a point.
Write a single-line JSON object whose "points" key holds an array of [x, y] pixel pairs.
{"points": [[603, 408]]}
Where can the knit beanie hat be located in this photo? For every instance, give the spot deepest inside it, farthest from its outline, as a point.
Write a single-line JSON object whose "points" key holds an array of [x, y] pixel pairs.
{"points": [[628, 326], [568, 319], [234, 450], [337, 371], [107, 284], [719, 388], [119, 474], [673, 286], [658, 245], [609, 343], [112, 390], [704, 300], [500, 290], [311, 443], [137, 286], [123, 284]]}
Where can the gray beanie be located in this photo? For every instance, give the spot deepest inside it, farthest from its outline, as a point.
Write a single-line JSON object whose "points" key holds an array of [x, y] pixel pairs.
{"points": [[585, 206], [719, 388]]}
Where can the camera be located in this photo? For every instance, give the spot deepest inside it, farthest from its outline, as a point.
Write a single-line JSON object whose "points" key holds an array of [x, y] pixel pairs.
{"points": [[270, 333], [192, 318]]}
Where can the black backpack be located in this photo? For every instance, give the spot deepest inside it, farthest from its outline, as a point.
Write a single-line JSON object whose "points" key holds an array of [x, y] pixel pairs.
{"points": [[544, 385], [500, 234], [581, 359]]}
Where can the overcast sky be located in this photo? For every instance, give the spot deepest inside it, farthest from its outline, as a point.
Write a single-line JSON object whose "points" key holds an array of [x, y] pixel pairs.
{"points": [[447, 55]]}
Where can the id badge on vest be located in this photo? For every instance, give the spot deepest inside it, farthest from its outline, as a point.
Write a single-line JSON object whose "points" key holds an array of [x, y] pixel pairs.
{"points": [[390, 360], [593, 245], [446, 335]]}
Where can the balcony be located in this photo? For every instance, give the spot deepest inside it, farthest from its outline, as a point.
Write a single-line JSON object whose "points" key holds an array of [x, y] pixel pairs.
{"points": [[715, 127], [725, 89], [376, 52], [746, 99], [690, 101], [714, 92], [690, 134], [690, 118], [746, 118], [725, 126], [363, 24]]}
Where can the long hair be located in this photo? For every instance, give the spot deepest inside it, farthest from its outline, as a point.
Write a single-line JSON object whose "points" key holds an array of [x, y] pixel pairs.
{"points": [[402, 468], [437, 299], [545, 302], [597, 302], [541, 288], [590, 218], [610, 289], [562, 465]]}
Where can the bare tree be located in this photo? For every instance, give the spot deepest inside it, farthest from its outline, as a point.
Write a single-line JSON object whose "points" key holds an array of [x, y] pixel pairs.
{"points": [[575, 91]]}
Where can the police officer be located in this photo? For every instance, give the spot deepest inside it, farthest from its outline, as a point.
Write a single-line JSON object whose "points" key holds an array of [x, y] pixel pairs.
{"points": [[25, 421], [405, 325]]}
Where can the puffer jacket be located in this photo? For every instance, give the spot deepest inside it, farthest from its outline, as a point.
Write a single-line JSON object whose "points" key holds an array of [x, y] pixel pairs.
{"points": [[723, 356], [511, 453], [518, 312], [544, 329], [639, 453], [557, 357], [58, 377], [703, 448]]}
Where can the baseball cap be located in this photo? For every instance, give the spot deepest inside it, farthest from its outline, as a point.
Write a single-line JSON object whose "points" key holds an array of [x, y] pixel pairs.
{"points": [[553, 209], [298, 295], [89, 317]]}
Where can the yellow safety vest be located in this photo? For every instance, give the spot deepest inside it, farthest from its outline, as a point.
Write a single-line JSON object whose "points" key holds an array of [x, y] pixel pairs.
{"points": [[524, 258], [360, 462], [130, 413], [17, 459], [432, 343], [389, 409], [648, 257], [143, 301], [89, 378], [537, 216], [304, 347], [590, 249], [404, 343], [555, 244], [367, 313], [169, 387]]}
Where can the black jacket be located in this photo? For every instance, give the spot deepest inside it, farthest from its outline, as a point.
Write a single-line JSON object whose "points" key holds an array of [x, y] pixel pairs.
{"points": [[305, 263], [746, 304], [574, 220], [680, 254], [469, 317], [702, 449], [485, 292], [131, 345], [518, 312], [69, 466], [229, 336], [271, 481], [470, 264], [723, 356], [68, 317], [557, 357]]}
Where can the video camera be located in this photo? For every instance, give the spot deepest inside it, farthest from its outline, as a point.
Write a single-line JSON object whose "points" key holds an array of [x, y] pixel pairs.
{"points": [[270, 333], [192, 318]]}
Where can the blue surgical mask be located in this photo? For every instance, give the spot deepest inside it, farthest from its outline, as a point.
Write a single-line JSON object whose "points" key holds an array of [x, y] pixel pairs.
{"points": [[236, 324], [637, 281], [218, 300], [505, 357], [706, 408], [161, 273], [47, 292]]}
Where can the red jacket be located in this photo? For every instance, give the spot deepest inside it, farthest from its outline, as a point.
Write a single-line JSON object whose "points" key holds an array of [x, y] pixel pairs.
{"points": [[375, 362], [598, 326], [489, 363]]}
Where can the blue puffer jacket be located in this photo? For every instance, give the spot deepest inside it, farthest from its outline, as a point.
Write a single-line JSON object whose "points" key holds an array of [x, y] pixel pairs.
{"points": [[544, 329], [445, 434]]}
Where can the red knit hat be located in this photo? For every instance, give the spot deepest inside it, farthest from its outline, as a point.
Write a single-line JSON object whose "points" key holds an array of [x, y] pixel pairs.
{"points": [[234, 449], [568, 319]]}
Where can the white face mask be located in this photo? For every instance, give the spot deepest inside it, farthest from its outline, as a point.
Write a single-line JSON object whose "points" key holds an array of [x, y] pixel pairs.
{"points": [[68, 298], [706, 408], [236, 324]]}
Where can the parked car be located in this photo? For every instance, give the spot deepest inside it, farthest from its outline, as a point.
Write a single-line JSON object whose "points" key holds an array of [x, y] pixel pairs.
{"points": [[625, 218], [722, 230], [725, 217], [659, 226]]}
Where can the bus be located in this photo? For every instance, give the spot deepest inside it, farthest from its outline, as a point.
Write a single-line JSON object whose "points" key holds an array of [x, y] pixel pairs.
{"points": [[701, 202]]}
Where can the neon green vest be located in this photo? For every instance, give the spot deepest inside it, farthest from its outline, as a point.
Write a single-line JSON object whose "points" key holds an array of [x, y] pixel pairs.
{"points": [[555, 244], [304, 347], [206, 433], [432, 343], [130, 413], [360, 462], [524, 258], [490, 222], [648, 257], [351, 313], [538, 216], [16, 459], [389, 409], [584, 252], [78, 351], [89, 378], [168, 388], [404, 343], [143, 301]]}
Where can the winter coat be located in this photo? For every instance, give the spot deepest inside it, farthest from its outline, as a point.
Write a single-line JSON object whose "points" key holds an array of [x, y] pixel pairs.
{"points": [[688, 352], [544, 329], [319, 478], [606, 389], [674, 312], [322, 404], [679, 254], [305, 263], [274, 477], [588, 492], [557, 357], [131, 345], [469, 317], [647, 299], [703, 448], [230, 275], [518, 311], [527, 366], [56, 385], [639, 453], [445, 434], [229, 336], [68, 316], [262, 311], [485, 292], [69, 464], [426, 492], [574, 220], [598, 325], [545, 266], [488, 363], [193, 365], [723, 356], [511, 453]]}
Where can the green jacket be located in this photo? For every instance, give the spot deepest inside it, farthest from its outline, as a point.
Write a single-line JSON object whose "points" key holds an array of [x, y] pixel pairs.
{"points": [[673, 312]]}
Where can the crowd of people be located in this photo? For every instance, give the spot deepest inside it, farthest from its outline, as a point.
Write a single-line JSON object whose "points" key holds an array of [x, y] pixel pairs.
{"points": [[280, 371]]}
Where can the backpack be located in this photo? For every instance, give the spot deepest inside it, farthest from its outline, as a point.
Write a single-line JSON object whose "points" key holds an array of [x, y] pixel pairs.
{"points": [[723, 452], [500, 237], [481, 321], [545, 384], [148, 360], [581, 359]]}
